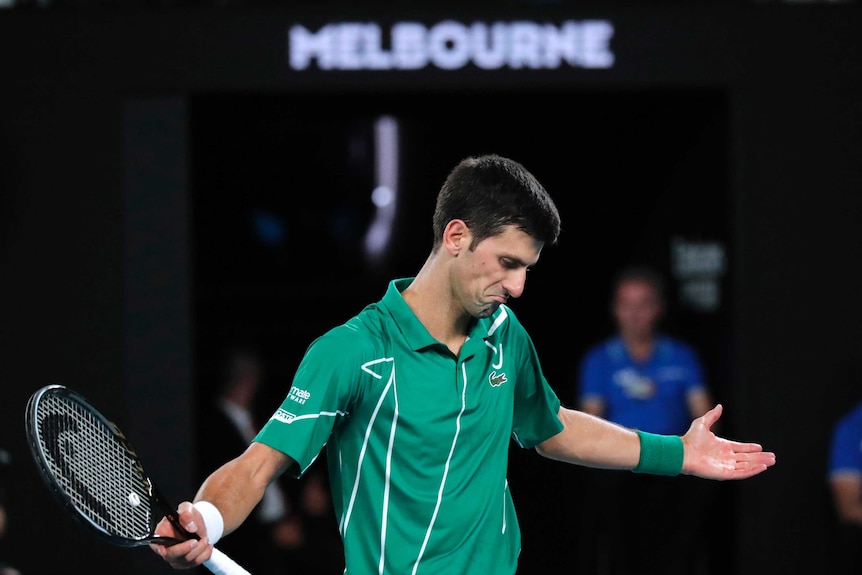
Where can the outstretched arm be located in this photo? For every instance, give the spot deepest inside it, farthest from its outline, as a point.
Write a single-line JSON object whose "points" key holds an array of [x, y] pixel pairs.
{"points": [[594, 442]]}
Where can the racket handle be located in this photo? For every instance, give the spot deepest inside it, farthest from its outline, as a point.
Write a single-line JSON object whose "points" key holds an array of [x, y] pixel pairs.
{"points": [[221, 564]]}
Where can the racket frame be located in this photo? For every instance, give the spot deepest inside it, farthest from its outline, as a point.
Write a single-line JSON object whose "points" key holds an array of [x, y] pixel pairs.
{"points": [[157, 502]]}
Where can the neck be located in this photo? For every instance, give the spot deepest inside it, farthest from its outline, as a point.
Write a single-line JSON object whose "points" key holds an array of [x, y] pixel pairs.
{"points": [[639, 348], [431, 300]]}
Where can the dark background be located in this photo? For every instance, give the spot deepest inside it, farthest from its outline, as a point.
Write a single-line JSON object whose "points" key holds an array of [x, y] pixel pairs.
{"points": [[136, 144]]}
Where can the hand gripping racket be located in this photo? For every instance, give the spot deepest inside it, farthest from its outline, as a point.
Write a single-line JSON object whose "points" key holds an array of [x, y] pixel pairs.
{"points": [[94, 472]]}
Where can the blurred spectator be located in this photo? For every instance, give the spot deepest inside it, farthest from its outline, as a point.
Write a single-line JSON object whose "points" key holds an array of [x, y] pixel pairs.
{"points": [[845, 483], [293, 527], [643, 379], [225, 428], [5, 568]]}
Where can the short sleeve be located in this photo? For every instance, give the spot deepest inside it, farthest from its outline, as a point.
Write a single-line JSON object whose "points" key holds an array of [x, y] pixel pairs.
{"points": [[323, 389], [845, 455], [536, 407]]}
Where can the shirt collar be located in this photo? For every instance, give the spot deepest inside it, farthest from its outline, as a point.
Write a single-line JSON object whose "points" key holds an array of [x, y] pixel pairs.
{"points": [[414, 332]]}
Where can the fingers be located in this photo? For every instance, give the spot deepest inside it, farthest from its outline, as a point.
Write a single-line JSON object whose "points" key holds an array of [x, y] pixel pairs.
{"points": [[749, 464], [189, 517], [184, 555], [754, 464], [747, 471], [744, 447], [189, 553], [158, 549], [766, 458]]}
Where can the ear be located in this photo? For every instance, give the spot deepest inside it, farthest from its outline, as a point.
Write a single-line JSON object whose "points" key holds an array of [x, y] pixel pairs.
{"points": [[456, 237]]}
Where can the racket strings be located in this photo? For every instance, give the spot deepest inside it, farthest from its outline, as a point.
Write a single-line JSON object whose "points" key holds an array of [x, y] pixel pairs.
{"points": [[95, 468]]}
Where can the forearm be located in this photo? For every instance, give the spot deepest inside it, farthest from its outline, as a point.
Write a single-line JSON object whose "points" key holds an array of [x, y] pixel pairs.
{"points": [[593, 442], [238, 486], [847, 496], [234, 495]]}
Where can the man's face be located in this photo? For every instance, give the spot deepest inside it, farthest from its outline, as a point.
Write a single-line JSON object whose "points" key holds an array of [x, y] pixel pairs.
{"points": [[637, 308], [495, 271]]}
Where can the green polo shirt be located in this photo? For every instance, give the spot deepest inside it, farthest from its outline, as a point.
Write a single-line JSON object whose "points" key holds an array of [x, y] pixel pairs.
{"points": [[417, 439]]}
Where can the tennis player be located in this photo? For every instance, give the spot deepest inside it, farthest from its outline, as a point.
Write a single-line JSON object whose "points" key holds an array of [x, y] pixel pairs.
{"points": [[417, 398]]}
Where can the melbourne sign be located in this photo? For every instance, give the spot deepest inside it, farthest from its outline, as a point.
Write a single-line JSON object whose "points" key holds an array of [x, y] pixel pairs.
{"points": [[451, 45]]}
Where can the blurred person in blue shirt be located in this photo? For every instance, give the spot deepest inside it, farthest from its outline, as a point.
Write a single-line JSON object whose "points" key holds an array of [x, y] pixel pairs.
{"points": [[645, 379], [845, 485]]}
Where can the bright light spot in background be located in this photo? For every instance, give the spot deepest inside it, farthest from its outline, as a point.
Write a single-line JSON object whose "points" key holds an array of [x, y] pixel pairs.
{"points": [[385, 193], [382, 196]]}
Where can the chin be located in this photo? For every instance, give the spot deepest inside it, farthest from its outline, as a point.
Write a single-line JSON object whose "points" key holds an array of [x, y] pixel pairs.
{"points": [[486, 311]]}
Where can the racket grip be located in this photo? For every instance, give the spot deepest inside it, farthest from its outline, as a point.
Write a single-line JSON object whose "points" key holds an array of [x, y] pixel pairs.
{"points": [[221, 564]]}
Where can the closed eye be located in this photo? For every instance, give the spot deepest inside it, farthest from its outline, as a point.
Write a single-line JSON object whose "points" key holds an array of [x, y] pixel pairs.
{"points": [[511, 264]]}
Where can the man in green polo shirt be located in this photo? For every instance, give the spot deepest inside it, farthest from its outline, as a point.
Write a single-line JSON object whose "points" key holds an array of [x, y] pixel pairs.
{"points": [[417, 397]]}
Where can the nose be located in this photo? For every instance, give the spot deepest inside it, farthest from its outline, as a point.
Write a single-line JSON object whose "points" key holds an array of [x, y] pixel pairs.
{"points": [[515, 282]]}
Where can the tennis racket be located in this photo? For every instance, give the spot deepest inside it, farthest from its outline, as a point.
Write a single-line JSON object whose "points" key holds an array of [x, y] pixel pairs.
{"points": [[94, 472]]}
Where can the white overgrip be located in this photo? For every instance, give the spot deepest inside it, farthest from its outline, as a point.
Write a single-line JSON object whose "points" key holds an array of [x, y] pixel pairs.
{"points": [[221, 564]]}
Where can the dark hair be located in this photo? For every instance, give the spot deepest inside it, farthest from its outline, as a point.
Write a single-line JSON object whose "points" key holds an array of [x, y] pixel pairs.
{"points": [[491, 192], [640, 273]]}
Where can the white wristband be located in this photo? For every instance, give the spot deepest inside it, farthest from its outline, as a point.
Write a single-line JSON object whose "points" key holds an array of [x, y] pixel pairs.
{"points": [[213, 521]]}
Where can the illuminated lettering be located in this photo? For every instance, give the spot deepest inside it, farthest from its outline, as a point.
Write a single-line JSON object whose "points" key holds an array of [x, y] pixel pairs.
{"points": [[451, 45]]}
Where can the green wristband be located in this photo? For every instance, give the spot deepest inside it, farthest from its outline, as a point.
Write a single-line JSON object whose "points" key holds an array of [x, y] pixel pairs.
{"points": [[660, 454]]}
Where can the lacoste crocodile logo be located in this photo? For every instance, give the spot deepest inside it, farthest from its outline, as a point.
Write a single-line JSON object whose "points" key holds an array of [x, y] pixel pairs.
{"points": [[496, 380]]}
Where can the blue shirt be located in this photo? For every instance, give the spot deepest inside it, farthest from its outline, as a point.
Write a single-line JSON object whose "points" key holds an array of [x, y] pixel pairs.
{"points": [[845, 454], [648, 395]]}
